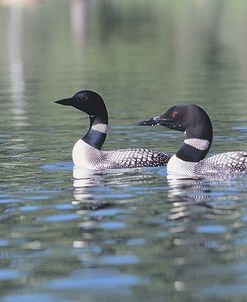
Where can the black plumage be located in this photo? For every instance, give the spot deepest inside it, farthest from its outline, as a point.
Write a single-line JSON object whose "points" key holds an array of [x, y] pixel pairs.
{"points": [[190, 159], [87, 151]]}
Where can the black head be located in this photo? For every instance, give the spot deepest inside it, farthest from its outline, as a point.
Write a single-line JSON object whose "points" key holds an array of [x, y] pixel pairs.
{"points": [[87, 101], [188, 118]]}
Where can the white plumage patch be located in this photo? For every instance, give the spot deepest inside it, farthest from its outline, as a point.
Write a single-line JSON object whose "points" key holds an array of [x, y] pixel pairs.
{"points": [[179, 167], [85, 156], [100, 127], [200, 144]]}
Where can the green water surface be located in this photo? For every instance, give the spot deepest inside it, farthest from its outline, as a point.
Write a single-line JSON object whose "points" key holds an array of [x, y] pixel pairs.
{"points": [[119, 235]]}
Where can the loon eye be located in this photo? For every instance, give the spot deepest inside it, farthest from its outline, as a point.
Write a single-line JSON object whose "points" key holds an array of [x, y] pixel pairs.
{"points": [[174, 114]]}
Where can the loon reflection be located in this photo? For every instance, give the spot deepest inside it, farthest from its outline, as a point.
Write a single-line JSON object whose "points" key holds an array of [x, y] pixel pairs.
{"points": [[197, 198]]}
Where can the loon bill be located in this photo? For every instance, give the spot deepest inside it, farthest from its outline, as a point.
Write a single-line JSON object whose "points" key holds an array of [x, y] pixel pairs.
{"points": [[190, 159], [87, 151]]}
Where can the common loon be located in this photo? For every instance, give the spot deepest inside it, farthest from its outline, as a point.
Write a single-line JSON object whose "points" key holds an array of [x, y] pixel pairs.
{"points": [[87, 151], [190, 159]]}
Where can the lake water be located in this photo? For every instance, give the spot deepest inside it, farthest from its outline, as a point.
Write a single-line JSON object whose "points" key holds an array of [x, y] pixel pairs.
{"points": [[119, 235]]}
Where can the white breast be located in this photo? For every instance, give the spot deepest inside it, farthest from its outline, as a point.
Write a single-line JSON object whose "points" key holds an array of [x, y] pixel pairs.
{"points": [[179, 167], [85, 156]]}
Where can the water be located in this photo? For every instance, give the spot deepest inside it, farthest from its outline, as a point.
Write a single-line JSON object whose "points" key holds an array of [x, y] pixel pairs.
{"points": [[119, 235]]}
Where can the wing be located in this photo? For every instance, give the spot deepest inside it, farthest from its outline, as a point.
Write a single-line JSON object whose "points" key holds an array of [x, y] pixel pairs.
{"points": [[229, 162], [134, 158]]}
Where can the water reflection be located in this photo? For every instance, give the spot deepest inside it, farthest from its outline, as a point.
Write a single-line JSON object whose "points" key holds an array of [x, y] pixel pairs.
{"points": [[189, 190], [197, 200], [79, 14], [92, 186], [20, 2], [125, 235], [85, 183], [206, 221], [197, 190], [143, 234], [208, 194], [16, 64]]}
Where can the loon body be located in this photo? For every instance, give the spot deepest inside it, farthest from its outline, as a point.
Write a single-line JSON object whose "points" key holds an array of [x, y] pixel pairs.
{"points": [[87, 151], [190, 159]]}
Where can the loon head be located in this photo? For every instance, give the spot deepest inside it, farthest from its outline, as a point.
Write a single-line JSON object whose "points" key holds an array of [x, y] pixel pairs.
{"points": [[188, 118], [194, 122], [89, 102]]}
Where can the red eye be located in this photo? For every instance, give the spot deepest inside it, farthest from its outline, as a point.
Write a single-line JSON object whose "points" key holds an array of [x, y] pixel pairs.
{"points": [[174, 114]]}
